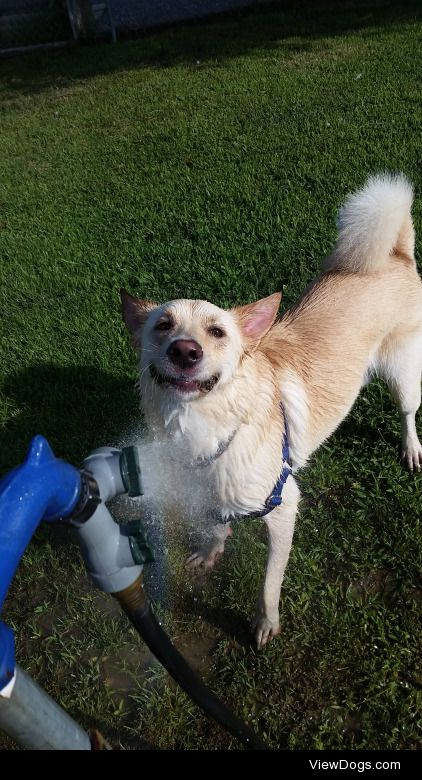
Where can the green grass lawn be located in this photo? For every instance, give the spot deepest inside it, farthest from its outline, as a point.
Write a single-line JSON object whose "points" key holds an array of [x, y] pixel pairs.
{"points": [[208, 161]]}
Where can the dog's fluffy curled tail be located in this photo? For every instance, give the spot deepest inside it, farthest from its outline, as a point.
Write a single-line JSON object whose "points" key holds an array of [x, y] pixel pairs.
{"points": [[374, 224]]}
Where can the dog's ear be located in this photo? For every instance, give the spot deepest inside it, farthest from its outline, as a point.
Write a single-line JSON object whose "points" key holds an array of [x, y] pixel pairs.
{"points": [[255, 319], [135, 312]]}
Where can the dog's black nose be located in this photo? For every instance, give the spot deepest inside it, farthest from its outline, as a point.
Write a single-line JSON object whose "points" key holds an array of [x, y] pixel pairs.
{"points": [[184, 353]]}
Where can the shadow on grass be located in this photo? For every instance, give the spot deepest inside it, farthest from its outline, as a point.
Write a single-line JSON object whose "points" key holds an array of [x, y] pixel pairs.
{"points": [[114, 735], [77, 408], [228, 620], [213, 40]]}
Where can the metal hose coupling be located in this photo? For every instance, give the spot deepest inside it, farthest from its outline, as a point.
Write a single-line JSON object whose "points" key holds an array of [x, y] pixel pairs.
{"points": [[89, 499], [133, 598], [106, 473]]}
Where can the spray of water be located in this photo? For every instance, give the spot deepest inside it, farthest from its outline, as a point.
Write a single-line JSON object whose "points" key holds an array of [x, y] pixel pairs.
{"points": [[173, 507]]}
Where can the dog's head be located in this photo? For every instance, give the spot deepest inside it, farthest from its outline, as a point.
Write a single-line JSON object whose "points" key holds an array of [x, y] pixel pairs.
{"points": [[190, 348]]}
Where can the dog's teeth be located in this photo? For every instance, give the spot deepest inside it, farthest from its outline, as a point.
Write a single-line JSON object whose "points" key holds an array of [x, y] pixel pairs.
{"points": [[205, 386]]}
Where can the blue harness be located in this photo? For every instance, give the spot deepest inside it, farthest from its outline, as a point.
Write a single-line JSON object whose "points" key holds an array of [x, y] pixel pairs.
{"points": [[275, 498]]}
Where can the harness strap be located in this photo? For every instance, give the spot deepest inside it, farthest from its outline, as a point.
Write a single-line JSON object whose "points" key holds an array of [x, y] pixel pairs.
{"points": [[275, 498], [200, 462]]}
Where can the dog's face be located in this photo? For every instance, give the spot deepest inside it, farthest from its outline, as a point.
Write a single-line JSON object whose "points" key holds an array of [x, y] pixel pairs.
{"points": [[190, 348]]}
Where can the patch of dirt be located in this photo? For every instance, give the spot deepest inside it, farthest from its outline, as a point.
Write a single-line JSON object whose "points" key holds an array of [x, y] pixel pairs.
{"points": [[376, 582], [198, 651], [108, 605], [123, 670]]}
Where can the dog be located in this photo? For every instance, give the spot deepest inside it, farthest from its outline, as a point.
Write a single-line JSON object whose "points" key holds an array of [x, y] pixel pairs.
{"points": [[240, 400]]}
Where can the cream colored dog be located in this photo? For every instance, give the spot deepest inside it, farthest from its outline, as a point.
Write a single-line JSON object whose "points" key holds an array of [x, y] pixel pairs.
{"points": [[223, 390]]}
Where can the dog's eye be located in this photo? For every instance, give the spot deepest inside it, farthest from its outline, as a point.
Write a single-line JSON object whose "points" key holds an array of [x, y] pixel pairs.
{"points": [[217, 333], [163, 325]]}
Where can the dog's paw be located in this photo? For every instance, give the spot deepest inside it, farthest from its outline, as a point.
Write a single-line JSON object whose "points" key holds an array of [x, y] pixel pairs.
{"points": [[208, 555], [204, 559], [264, 629], [412, 458]]}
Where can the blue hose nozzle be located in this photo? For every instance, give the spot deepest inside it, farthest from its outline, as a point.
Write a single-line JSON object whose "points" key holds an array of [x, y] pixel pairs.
{"points": [[42, 488]]}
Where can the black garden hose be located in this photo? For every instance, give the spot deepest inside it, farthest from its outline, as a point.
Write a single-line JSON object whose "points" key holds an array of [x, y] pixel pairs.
{"points": [[141, 614]]}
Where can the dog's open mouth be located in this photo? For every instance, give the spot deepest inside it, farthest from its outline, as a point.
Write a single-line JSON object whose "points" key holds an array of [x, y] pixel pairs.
{"points": [[184, 383]]}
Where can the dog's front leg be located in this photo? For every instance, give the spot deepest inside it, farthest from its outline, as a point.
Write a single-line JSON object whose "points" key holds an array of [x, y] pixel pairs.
{"points": [[280, 526], [212, 550]]}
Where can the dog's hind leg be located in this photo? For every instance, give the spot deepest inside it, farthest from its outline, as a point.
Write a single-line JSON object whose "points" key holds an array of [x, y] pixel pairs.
{"points": [[399, 362], [212, 550], [280, 527]]}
